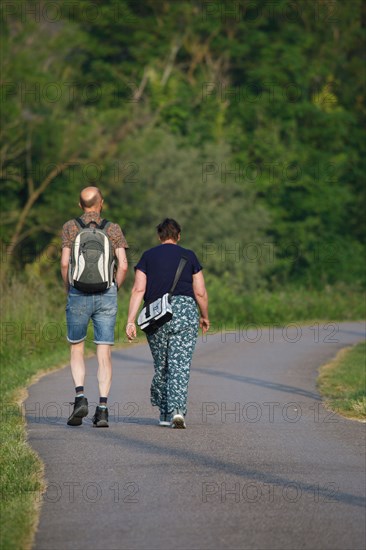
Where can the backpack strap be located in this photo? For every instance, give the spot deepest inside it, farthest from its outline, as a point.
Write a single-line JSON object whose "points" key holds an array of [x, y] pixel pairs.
{"points": [[103, 223], [80, 223], [83, 225]]}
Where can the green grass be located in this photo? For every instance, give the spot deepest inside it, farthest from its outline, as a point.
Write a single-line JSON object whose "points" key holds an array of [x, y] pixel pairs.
{"points": [[33, 341], [21, 482], [236, 308], [343, 382]]}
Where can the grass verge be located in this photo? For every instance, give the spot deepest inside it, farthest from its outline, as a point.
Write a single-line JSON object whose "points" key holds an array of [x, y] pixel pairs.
{"points": [[343, 382]]}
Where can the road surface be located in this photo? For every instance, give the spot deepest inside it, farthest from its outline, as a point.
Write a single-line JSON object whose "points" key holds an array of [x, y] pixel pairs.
{"points": [[262, 465]]}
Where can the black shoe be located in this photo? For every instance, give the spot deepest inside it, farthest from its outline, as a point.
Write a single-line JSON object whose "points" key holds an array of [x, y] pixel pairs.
{"points": [[80, 410], [100, 419]]}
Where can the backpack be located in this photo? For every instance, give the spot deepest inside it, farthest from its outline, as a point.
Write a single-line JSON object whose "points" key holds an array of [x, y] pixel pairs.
{"points": [[91, 267]]}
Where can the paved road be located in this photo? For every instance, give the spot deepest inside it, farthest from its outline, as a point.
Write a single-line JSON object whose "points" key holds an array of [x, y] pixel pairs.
{"points": [[262, 464]]}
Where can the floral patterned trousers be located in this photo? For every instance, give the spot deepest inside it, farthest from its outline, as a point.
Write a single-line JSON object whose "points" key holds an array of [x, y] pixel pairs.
{"points": [[172, 347]]}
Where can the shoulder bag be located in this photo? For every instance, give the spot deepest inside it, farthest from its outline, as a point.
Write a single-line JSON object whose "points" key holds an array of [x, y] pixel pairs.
{"points": [[159, 312]]}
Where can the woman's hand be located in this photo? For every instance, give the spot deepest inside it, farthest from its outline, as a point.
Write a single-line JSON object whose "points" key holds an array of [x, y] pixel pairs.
{"points": [[131, 331], [137, 294], [204, 324]]}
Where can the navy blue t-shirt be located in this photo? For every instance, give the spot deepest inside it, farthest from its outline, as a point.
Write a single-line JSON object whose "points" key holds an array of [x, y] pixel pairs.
{"points": [[160, 265]]}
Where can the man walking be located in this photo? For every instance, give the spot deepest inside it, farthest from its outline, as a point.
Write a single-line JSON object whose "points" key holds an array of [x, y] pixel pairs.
{"points": [[91, 281]]}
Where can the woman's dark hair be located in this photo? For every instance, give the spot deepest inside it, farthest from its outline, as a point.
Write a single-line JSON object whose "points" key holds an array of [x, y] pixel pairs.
{"points": [[168, 229]]}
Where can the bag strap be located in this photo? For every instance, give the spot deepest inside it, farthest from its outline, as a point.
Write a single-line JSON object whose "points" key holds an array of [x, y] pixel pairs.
{"points": [[82, 225], [178, 273], [103, 223]]}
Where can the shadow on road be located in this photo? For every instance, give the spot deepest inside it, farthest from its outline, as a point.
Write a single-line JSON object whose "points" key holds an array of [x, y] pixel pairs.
{"points": [[208, 461], [263, 383]]}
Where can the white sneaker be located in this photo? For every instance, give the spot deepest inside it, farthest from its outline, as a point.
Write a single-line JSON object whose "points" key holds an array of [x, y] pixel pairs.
{"points": [[165, 420], [178, 420]]}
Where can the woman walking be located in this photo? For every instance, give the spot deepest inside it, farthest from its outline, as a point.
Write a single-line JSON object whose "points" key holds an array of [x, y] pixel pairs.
{"points": [[173, 343]]}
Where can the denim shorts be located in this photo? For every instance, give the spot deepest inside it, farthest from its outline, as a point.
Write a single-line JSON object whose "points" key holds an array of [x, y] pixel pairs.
{"points": [[100, 307]]}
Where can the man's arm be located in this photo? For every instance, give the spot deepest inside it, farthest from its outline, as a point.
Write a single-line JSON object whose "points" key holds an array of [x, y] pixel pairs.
{"points": [[122, 266], [65, 258], [201, 296]]}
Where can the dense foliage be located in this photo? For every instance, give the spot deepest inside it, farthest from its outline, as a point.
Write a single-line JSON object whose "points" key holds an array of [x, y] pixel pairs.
{"points": [[242, 119]]}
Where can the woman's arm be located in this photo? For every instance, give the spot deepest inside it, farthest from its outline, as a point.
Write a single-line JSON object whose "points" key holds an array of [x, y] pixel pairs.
{"points": [[137, 294], [201, 296]]}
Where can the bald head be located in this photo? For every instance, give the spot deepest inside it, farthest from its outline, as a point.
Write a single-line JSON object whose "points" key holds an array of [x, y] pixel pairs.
{"points": [[91, 199]]}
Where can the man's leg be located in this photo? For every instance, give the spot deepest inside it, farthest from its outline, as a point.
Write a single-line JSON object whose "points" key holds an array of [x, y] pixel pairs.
{"points": [[77, 316], [104, 369], [77, 363], [104, 321], [78, 373]]}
